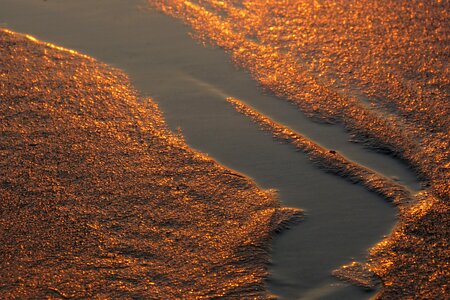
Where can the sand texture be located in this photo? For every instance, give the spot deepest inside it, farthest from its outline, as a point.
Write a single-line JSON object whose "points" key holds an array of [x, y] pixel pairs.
{"points": [[100, 200]]}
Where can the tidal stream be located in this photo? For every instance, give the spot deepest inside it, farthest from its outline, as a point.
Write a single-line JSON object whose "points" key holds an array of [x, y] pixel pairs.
{"points": [[190, 84]]}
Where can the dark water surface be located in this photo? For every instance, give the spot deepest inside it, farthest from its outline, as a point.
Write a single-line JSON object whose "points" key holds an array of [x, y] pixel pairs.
{"points": [[190, 83]]}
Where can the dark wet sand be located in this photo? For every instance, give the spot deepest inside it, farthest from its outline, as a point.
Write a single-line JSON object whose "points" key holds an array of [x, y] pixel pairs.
{"points": [[191, 87]]}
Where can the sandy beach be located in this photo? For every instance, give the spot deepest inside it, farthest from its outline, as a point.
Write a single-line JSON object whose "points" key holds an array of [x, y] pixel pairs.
{"points": [[122, 205]]}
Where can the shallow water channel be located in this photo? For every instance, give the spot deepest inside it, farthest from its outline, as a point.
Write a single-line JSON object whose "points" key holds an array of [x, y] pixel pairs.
{"points": [[190, 84]]}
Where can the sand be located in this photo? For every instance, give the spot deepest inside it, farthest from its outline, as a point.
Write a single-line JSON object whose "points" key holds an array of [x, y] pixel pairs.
{"points": [[190, 83]]}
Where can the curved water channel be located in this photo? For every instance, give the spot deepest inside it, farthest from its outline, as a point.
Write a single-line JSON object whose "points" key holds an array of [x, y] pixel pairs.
{"points": [[190, 84]]}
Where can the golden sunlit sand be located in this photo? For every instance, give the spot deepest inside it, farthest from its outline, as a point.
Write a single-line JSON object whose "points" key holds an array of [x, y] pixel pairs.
{"points": [[379, 68], [99, 200]]}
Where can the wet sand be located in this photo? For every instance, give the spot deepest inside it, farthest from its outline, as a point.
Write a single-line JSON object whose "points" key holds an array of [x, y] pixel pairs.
{"points": [[192, 96]]}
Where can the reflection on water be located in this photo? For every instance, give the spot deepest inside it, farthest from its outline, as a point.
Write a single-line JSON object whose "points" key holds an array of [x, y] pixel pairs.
{"points": [[377, 67]]}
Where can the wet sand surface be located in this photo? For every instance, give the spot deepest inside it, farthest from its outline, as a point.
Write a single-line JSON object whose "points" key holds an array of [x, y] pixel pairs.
{"points": [[190, 86]]}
